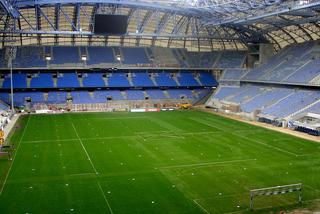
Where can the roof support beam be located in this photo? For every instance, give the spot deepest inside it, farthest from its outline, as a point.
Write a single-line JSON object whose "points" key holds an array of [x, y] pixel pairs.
{"points": [[38, 22], [301, 28], [76, 20], [251, 19], [56, 22], [9, 8]]}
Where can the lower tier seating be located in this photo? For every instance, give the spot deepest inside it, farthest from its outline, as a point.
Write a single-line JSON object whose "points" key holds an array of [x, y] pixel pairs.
{"points": [[100, 96], [272, 102]]}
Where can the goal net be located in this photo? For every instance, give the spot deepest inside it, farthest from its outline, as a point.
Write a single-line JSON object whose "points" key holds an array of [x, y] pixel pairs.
{"points": [[276, 190]]}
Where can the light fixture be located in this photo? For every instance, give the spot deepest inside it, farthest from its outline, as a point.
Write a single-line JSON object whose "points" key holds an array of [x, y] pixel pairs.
{"points": [[48, 57], [118, 58], [84, 58]]}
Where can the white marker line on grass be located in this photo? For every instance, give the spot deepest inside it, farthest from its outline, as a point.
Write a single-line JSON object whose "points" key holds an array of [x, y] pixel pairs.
{"points": [[267, 145], [105, 198], [249, 139], [119, 118], [201, 207], [82, 174], [14, 155], [84, 149], [47, 141], [208, 163]]}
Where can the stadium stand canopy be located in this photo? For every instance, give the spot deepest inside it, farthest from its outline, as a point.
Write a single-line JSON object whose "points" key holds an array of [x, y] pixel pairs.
{"points": [[198, 25]]}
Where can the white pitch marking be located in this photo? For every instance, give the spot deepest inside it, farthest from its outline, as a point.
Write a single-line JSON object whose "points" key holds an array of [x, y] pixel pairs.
{"points": [[14, 155], [105, 199], [84, 149], [207, 163], [199, 205]]}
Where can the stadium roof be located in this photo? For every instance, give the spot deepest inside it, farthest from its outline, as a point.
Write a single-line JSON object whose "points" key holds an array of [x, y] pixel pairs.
{"points": [[193, 24]]}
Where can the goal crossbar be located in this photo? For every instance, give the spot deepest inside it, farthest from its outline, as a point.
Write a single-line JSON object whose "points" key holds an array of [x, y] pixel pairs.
{"points": [[276, 190]]}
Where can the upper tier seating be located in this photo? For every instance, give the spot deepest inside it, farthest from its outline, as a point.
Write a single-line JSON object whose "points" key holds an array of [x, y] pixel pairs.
{"points": [[118, 80], [134, 56], [93, 80], [69, 57], [19, 81], [68, 80], [100, 55], [231, 59], [3, 62], [294, 65], [30, 57], [207, 79], [65, 55], [233, 74], [142, 79], [165, 79], [42, 80], [187, 79]]}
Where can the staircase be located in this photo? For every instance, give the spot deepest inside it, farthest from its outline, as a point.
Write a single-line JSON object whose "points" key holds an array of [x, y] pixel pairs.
{"points": [[175, 78], [217, 60], [28, 82], [1, 82], [301, 110], [55, 80], [304, 64], [129, 78], [314, 81], [91, 94], [196, 77], [153, 79], [45, 96], [145, 94], [124, 95], [106, 80], [80, 81], [166, 94]]}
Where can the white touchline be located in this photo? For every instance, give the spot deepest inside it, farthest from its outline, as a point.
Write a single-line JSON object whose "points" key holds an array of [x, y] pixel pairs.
{"points": [[14, 155]]}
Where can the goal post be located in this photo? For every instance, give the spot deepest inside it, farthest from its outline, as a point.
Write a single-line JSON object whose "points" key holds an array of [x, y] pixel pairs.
{"points": [[276, 190]]}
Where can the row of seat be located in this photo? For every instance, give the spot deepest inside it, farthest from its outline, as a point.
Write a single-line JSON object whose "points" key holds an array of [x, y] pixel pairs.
{"points": [[275, 102], [102, 96], [65, 56], [137, 79], [297, 64]]}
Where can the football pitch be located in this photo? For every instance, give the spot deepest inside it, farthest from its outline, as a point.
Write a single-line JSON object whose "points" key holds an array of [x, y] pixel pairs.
{"points": [[164, 162]]}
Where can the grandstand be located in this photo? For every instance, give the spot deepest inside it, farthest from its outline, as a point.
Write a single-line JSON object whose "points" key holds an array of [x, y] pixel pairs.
{"points": [[133, 115]]}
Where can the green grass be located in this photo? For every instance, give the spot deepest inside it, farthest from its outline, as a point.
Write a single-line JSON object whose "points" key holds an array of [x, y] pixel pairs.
{"points": [[166, 162]]}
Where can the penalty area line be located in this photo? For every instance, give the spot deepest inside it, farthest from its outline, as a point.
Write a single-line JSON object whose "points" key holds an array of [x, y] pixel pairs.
{"points": [[207, 163]]}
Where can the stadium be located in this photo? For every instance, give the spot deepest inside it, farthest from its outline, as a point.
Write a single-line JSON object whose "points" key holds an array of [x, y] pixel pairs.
{"points": [[157, 106]]}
